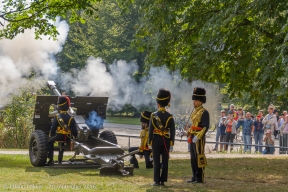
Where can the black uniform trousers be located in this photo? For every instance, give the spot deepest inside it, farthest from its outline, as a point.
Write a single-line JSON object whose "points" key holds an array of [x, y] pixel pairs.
{"points": [[145, 153], [51, 141], [160, 146], [198, 173]]}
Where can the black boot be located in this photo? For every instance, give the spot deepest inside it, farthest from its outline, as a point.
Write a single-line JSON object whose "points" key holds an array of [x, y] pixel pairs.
{"points": [[60, 156], [134, 162], [155, 184], [191, 181]]}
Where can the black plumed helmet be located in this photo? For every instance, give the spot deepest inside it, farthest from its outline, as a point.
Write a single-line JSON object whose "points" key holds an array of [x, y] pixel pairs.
{"points": [[63, 103], [145, 117], [199, 94], [163, 97]]}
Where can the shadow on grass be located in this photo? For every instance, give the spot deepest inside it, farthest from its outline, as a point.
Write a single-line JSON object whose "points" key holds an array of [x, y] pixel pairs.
{"points": [[60, 171]]}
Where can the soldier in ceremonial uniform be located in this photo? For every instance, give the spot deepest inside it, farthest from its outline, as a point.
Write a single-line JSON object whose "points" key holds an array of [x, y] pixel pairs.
{"points": [[161, 136], [62, 129], [200, 125], [144, 150]]}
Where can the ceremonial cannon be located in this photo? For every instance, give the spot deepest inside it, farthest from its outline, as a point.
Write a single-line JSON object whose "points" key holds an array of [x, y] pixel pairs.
{"points": [[91, 148]]}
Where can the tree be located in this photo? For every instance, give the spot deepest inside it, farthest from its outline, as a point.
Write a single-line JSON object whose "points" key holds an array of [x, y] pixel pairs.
{"points": [[18, 16], [242, 44], [108, 37]]}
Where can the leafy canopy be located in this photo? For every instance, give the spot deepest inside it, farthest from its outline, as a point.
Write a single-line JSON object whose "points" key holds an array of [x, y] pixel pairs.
{"points": [[241, 43], [108, 37], [16, 16]]}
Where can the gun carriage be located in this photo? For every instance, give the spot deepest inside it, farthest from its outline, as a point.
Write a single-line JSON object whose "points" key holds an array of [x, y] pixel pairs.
{"points": [[95, 149]]}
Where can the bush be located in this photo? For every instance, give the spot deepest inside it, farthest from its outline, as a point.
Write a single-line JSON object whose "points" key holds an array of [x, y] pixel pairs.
{"points": [[16, 121]]}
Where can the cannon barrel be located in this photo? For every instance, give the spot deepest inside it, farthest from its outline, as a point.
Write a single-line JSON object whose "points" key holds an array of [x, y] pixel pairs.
{"points": [[52, 86]]}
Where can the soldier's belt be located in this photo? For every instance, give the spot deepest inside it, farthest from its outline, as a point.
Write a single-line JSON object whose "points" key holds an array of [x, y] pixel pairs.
{"points": [[62, 131], [161, 133], [193, 128], [190, 131]]}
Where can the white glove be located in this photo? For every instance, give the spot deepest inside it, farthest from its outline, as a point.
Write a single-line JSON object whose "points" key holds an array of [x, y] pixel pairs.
{"points": [[195, 139], [150, 147]]}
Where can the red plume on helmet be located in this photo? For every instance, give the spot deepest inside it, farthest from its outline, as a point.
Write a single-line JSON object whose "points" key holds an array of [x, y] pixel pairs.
{"points": [[63, 103]]}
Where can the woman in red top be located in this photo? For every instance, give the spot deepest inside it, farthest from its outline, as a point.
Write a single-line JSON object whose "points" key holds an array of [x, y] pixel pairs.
{"points": [[230, 131]]}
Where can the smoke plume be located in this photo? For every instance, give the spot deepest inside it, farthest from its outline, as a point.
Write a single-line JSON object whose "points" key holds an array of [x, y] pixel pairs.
{"points": [[119, 85], [23, 55]]}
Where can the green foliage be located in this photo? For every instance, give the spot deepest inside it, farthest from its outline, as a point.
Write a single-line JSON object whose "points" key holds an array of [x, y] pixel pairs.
{"points": [[21, 15], [108, 37], [16, 121], [123, 120], [129, 110], [242, 44]]}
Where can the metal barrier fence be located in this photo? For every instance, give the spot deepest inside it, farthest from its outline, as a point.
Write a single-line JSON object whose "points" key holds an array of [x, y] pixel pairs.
{"points": [[210, 142]]}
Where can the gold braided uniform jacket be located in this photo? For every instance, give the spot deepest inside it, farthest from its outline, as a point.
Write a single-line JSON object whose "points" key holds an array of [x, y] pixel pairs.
{"points": [[200, 122], [144, 140], [168, 124], [68, 120]]}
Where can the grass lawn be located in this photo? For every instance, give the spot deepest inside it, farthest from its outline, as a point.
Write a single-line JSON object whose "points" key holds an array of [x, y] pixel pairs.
{"points": [[245, 174], [123, 120]]}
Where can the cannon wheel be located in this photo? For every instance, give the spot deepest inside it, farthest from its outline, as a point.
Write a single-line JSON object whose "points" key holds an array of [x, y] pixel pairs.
{"points": [[108, 136], [38, 148]]}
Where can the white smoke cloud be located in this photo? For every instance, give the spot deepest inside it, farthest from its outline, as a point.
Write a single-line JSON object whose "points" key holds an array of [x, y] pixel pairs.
{"points": [[23, 54], [121, 88]]}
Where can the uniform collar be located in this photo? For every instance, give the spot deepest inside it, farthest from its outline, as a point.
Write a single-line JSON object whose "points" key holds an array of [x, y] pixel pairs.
{"points": [[161, 109]]}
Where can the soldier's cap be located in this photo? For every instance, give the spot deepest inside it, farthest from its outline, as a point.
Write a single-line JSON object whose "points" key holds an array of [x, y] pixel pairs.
{"points": [[145, 117], [63, 103], [163, 97], [199, 94]]}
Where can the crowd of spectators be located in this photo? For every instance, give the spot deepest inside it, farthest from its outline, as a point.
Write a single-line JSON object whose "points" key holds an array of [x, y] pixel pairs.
{"points": [[264, 129]]}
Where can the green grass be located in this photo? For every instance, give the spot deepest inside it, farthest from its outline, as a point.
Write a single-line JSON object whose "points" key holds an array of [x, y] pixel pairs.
{"points": [[123, 120], [244, 174]]}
